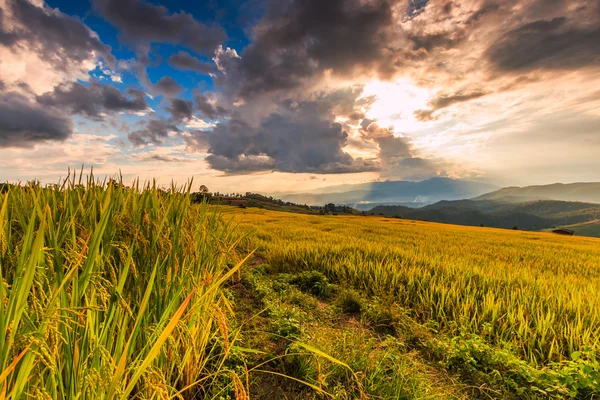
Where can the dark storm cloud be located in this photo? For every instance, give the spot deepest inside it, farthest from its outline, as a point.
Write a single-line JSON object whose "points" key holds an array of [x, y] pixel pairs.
{"points": [[181, 109], [446, 100], [208, 109], [154, 131], [298, 137], [60, 39], [94, 100], [547, 44], [24, 123], [297, 40], [294, 45], [185, 61], [167, 86], [145, 22]]}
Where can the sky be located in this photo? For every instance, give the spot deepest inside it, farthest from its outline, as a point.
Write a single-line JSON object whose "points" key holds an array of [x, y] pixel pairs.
{"points": [[293, 95]]}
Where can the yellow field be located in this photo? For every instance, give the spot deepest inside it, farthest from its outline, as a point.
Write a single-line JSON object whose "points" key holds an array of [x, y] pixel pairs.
{"points": [[535, 292], [116, 293]]}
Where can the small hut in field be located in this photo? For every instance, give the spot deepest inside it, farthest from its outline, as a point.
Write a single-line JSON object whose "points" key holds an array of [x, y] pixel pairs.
{"points": [[564, 231]]}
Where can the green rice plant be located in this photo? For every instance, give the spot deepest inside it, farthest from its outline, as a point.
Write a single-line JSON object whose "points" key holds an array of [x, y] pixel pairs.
{"points": [[536, 293], [110, 292]]}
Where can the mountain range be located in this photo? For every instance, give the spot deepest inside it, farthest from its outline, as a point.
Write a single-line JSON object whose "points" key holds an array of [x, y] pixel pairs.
{"points": [[540, 207], [534, 215], [581, 191], [364, 196], [462, 202]]}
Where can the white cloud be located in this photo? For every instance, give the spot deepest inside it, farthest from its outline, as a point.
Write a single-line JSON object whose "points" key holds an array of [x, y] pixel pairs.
{"points": [[116, 78], [50, 160], [198, 123]]}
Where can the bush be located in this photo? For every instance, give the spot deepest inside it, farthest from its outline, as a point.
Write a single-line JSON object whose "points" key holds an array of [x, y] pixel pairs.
{"points": [[481, 364], [286, 321], [313, 282], [379, 317], [350, 302], [301, 299]]}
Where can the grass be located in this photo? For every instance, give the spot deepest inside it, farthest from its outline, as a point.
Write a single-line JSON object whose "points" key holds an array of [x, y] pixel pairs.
{"points": [[113, 293], [492, 300], [315, 344]]}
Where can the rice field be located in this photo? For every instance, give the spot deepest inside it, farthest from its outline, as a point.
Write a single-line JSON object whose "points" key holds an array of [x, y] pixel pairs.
{"points": [[537, 294], [129, 293], [112, 293]]}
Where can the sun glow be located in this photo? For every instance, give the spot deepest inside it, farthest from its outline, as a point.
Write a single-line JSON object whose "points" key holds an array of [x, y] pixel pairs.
{"points": [[396, 103]]}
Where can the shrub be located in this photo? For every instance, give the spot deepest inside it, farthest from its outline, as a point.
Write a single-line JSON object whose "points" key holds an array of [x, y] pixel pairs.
{"points": [[481, 364], [350, 302], [379, 317], [313, 282]]}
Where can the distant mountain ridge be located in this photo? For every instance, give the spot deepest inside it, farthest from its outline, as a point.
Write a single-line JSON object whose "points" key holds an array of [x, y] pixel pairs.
{"points": [[588, 192], [367, 195], [534, 215]]}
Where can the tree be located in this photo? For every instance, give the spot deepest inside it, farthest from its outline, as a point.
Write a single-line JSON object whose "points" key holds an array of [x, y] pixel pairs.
{"points": [[204, 189]]}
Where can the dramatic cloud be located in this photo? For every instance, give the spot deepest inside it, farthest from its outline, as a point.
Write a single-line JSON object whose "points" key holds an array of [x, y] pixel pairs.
{"points": [[298, 40], [61, 40], [180, 109], [208, 107], [297, 46], [167, 86], [554, 44], [24, 123], [185, 61], [446, 100], [390, 89], [7, 37], [397, 161], [299, 137], [154, 131], [145, 22], [41, 47], [395, 154], [430, 41], [94, 100]]}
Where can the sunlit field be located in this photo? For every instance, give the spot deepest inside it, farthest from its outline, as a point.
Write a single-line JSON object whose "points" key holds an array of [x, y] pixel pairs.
{"points": [[141, 293], [533, 295]]}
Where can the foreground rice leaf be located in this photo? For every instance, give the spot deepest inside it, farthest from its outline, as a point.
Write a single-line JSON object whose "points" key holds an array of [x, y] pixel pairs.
{"points": [[109, 292]]}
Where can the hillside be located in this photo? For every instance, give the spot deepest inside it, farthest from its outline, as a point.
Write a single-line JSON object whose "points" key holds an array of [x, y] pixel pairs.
{"points": [[583, 192], [532, 215], [371, 307], [590, 228], [365, 195]]}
